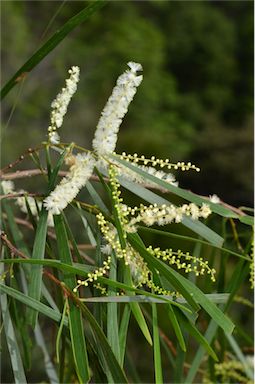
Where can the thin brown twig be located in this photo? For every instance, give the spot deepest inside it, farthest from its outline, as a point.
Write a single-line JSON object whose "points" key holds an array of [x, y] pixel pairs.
{"points": [[52, 235], [22, 174], [11, 247], [28, 152], [67, 293], [37, 172], [18, 253], [19, 194], [168, 342]]}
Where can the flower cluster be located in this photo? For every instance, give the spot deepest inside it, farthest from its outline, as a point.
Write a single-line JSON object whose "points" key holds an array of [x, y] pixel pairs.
{"points": [[232, 371], [148, 166], [117, 200], [158, 162], [165, 214], [7, 186], [93, 276], [138, 267], [214, 199], [128, 174], [60, 104], [180, 259], [81, 168], [70, 185], [115, 109]]}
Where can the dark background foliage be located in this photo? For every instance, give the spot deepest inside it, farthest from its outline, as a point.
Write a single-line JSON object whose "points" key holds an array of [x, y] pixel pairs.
{"points": [[195, 102]]}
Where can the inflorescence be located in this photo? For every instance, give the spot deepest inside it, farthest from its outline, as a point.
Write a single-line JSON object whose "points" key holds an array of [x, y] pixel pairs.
{"points": [[60, 104], [153, 161], [81, 169], [115, 109], [70, 185]]}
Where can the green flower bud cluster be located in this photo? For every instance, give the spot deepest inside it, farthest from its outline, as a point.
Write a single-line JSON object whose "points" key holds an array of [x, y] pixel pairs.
{"points": [[158, 162], [94, 275], [118, 206], [184, 261], [232, 371]]}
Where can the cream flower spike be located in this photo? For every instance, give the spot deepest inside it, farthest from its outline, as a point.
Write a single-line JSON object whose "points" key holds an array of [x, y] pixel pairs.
{"points": [[60, 104], [70, 185], [115, 109]]}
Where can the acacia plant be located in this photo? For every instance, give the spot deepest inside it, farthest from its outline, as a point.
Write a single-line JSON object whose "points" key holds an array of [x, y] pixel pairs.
{"points": [[87, 293]]}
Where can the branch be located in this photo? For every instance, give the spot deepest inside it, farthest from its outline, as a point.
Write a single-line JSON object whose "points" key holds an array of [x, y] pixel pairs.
{"points": [[19, 194], [11, 247], [28, 152], [52, 235]]}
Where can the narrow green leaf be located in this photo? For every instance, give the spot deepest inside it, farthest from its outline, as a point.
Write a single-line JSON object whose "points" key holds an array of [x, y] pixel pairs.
{"points": [[131, 366], [35, 284], [53, 42], [32, 303], [96, 198], [239, 275], [163, 342], [179, 365], [49, 367], [249, 220], [216, 314], [60, 330], [74, 314], [117, 373], [123, 332], [218, 298], [177, 329], [156, 346], [72, 240], [54, 173], [136, 310], [86, 226], [112, 314], [193, 331], [39, 337], [13, 347], [21, 245]]}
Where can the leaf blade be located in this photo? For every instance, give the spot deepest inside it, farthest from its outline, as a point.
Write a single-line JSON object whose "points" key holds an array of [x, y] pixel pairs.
{"points": [[35, 284], [16, 361], [74, 313], [51, 44], [156, 346]]}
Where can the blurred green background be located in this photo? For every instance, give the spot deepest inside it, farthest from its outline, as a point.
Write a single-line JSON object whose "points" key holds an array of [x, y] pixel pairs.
{"points": [[196, 100]]}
